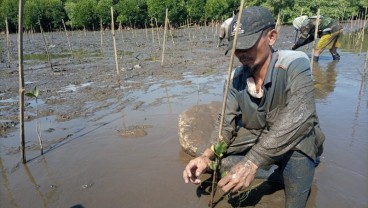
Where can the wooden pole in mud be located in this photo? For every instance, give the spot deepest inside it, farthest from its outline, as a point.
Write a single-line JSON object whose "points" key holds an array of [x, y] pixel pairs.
{"points": [[278, 22], [145, 28], [363, 29], [115, 52], [171, 33], [164, 40], [315, 37], [7, 41], [21, 82], [153, 33], [45, 43], [158, 31], [365, 69], [67, 37], [101, 37], [220, 138]]}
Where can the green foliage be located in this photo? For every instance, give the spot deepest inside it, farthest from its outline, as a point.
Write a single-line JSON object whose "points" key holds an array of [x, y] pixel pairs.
{"points": [[176, 8], [216, 9], [9, 10], [87, 13], [103, 11], [83, 13], [49, 12], [219, 149], [34, 93], [132, 12]]}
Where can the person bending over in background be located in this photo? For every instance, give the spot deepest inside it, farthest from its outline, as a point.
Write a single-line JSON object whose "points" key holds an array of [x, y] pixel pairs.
{"points": [[224, 29], [270, 116], [329, 31]]}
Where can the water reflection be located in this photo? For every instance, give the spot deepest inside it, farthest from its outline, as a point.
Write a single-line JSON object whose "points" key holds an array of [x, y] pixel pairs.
{"points": [[356, 42], [324, 79], [35, 185], [5, 183], [355, 124]]}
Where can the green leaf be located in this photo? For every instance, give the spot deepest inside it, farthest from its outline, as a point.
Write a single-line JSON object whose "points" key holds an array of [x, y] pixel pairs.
{"points": [[36, 92], [213, 165], [30, 94], [220, 149]]}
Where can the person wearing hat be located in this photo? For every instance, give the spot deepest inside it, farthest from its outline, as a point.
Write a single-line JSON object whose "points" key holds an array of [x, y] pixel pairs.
{"points": [[270, 116], [224, 30], [329, 31]]}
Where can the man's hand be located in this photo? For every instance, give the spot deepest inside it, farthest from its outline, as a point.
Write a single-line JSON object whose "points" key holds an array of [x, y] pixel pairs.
{"points": [[293, 47], [239, 177], [195, 168]]}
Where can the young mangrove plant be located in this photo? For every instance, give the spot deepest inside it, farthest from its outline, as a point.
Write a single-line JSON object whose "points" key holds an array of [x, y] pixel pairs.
{"points": [[34, 94], [219, 149]]}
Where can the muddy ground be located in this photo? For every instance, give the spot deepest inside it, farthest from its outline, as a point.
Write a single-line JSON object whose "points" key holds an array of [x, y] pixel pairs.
{"points": [[116, 145]]}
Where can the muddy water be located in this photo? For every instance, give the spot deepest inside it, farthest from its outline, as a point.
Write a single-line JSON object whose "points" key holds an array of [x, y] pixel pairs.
{"points": [[88, 163]]}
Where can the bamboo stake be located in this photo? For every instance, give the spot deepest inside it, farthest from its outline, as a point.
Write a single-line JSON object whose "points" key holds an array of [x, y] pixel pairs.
{"points": [[67, 37], [153, 34], [164, 41], [365, 67], [189, 30], [315, 38], [220, 138], [21, 81], [115, 52], [363, 29], [101, 37], [157, 29], [46, 45], [122, 35], [145, 28], [278, 22], [171, 34], [7, 41]]}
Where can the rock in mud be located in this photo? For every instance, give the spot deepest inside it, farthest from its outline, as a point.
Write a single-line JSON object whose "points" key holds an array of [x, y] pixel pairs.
{"points": [[196, 126]]}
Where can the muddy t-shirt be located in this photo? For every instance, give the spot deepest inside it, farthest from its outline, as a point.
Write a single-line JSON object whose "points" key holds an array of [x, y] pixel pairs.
{"points": [[284, 118]]}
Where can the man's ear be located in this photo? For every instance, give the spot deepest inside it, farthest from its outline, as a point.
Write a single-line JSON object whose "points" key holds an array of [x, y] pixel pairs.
{"points": [[272, 36]]}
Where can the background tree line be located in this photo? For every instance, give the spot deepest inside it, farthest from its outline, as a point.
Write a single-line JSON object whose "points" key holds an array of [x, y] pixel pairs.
{"points": [[90, 14]]}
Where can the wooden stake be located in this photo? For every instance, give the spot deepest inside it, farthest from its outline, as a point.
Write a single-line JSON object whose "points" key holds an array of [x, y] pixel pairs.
{"points": [[157, 29], [21, 81], [115, 51], [164, 41], [145, 28], [220, 138], [363, 28], [46, 45], [315, 38], [278, 22], [153, 34], [7, 41], [101, 37], [365, 67], [67, 37]]}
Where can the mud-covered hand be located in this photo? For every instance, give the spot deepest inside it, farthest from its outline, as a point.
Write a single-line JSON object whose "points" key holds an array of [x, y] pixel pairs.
{"points": [[239, 177], [195, 168], [293, 47]]}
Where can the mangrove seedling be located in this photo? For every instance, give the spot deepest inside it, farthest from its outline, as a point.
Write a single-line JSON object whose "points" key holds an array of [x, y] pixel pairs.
{"points": [[34, 94], [219, 149]]}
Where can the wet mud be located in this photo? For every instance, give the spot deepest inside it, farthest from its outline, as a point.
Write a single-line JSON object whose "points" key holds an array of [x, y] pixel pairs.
{"points": [[116, 145]]}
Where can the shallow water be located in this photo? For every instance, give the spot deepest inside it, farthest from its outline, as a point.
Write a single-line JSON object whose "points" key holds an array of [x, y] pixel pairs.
{"points": [[90, 165]]}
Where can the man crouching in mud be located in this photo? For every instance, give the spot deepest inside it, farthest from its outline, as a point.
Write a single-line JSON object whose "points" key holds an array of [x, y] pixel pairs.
{"points": [[270, 117]]}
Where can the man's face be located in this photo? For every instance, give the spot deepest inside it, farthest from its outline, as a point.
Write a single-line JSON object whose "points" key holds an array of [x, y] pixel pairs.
{"points": [[255, 56]]}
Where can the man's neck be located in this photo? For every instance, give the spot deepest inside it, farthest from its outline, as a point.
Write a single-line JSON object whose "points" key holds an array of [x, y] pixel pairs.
{"points": [[260, 74]]}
